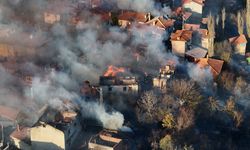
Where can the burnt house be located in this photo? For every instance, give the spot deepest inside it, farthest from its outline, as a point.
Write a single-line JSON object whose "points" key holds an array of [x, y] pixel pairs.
{"points": [[165, 74], [114, 84]]}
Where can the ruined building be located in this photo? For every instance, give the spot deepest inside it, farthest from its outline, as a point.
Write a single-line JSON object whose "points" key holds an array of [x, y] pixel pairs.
{"points": [[165, 74]]}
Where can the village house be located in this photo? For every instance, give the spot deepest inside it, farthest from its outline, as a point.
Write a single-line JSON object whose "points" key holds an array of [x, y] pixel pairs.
{"points": [[161, 23], [181, 41], [195, 6], [196, 54], [122, 85], [165, 74], [107, 140], [214, 65], [239, 44], [116, 80], [56, 11], [126, 18], [62, 126]]}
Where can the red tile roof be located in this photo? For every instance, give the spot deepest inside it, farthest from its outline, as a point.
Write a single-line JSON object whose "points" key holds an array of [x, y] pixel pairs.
{"points": [[238, 39], [189, 26], [8, 112], [161, 22], [215, 65], [21, 133], [181, 35], [133, 16]]}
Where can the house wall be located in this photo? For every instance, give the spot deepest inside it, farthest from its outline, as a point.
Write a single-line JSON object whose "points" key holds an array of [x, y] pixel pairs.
{"points": [[194, 7], [205, 43], [160, 83], [51, 18], [240, 49], [179, 48], [123, 23], [46, 137], [130, 89], [94, 146]]}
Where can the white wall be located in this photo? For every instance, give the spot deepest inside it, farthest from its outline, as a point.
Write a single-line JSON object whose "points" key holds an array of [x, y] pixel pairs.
{"points": [[47, 138], [179, 48], [195, 7]]}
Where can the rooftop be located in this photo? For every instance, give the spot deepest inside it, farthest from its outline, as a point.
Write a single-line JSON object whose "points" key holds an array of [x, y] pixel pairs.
{"points": [[182, 35], [106, 138], [133, 16], [238, 39], [9, 112], [197, 53], [215, 65]]}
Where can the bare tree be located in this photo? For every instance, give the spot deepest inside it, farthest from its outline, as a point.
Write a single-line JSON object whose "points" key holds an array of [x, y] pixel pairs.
{"points": [[147, 107], [223, 50], [238, 118], [230, 105], [185, 118], [185, 91]]}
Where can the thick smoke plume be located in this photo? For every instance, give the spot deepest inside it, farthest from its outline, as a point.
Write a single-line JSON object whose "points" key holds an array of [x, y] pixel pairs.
{"points": [[81, 55]]}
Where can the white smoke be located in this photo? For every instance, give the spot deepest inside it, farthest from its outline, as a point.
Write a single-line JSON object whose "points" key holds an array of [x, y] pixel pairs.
{"points": [[110, 120], [201, 75]]}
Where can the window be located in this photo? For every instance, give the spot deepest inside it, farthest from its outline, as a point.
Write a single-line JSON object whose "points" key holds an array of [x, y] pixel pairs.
{"points": [[110, 89], [125, 89]]}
